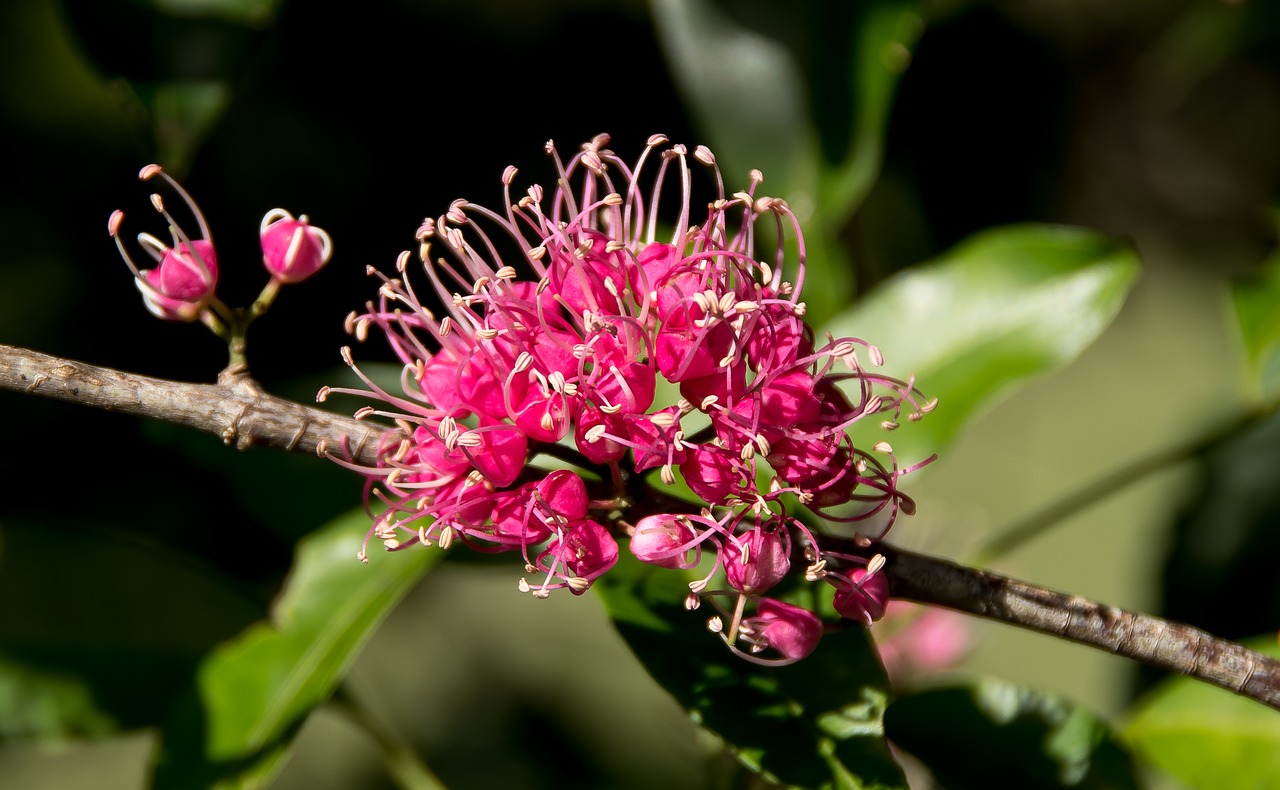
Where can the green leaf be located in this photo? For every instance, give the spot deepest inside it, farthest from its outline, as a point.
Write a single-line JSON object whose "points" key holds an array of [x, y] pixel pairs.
{"points": [[976, 324], [38, 703], [1257, 308], [968, 734], [181, 115], [801, 92], [814, 724], [884, 35], [253, 13], [100, 630], [255, 691], [1207, 737], [746, 91]]}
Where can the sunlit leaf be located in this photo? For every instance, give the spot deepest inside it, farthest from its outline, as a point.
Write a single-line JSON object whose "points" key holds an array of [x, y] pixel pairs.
{"points": [[966, 735], [254, 691], [813, 724], [988, 316], [1207, 737]]}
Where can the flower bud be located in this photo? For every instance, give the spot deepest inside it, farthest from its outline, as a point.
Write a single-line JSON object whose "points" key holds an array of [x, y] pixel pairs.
{"points": [[184, 282], [759, 563], [865, 598], [587, 549], [790, 630], [292, 250], [658, 541]]}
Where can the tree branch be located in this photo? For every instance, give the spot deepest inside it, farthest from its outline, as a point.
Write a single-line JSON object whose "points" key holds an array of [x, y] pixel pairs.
{"points": [[239, 412], [235, 409], [1164, 644]]}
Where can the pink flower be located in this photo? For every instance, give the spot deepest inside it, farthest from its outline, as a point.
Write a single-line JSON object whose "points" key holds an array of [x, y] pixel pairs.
{"points": [[791, 631], [666, 541], [292, 249], [565, 317], [186, 275]]}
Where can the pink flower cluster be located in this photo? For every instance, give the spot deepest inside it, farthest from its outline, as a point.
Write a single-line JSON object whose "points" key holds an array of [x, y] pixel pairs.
{"points": [[585, 337]]}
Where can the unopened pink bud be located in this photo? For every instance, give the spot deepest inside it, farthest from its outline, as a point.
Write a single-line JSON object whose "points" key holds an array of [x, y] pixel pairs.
{"points": [[292, 249], [184, 282]]}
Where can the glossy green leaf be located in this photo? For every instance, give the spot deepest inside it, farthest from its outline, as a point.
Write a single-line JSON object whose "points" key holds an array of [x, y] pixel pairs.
{"points": [[1257, 309], [1207, 737], [968, 734], [813, 724], [976, 324], [254, 691], [812, 118]]}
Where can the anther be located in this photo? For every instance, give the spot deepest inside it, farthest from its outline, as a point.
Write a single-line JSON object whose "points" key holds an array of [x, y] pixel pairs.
{"points": [[663, 419]]}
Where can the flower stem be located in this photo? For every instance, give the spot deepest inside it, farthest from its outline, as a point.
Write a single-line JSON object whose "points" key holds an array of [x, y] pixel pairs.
{"points": [[1041, 521], [406, 768]]}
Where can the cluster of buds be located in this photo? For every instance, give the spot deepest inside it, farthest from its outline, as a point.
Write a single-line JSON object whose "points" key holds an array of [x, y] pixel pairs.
{"points": [[571, 331], [184, 281]]}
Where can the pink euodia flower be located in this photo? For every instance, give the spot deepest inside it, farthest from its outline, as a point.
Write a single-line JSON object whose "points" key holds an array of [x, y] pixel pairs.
{"points": [[562, 315]]}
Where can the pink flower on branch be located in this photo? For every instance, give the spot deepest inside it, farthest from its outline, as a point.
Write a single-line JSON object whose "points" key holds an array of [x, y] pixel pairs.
{"points": [[562, 313]]}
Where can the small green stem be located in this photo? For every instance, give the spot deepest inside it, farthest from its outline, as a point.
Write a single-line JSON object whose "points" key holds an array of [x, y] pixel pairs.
{"points": [[406, 768], [264, 299], [1039, 522]]}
